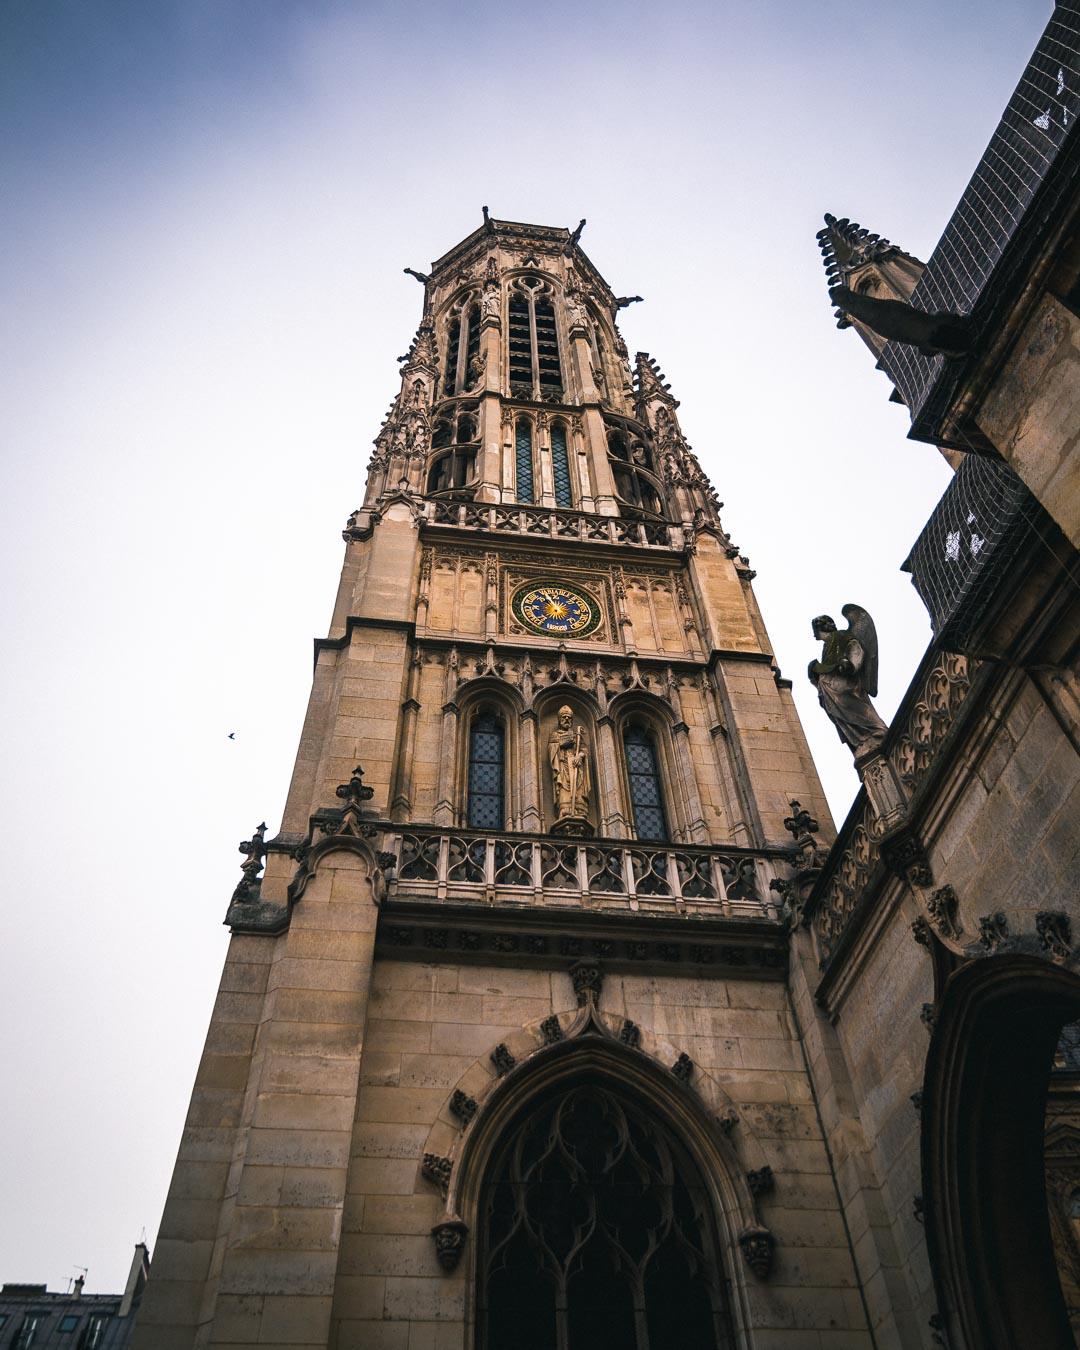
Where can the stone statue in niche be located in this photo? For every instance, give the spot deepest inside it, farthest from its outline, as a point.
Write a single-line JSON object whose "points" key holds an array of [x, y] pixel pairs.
{"points": [[845, 677], [571, 784]]}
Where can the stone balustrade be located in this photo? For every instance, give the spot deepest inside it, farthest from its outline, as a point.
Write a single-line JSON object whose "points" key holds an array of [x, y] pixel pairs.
{"points": [[595, 873], [555, 524]]}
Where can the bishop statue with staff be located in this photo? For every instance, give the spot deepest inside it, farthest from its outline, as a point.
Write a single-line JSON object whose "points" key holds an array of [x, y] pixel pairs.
{"points": [[570, 780]]}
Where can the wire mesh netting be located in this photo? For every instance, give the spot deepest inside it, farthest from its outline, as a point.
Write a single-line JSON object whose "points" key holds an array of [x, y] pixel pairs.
{"points": [[1038, 119], [968, 544]]}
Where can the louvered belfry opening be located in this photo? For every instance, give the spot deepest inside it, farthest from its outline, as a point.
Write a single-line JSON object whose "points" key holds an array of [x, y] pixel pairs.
{"points": [[547, 352], [598, 1234], [533, 343], [520, 346], [453, 350], [472, 347]]}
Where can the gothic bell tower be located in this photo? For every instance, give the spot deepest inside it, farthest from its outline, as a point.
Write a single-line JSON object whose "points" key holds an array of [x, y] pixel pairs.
{"points": [[525, 892]]}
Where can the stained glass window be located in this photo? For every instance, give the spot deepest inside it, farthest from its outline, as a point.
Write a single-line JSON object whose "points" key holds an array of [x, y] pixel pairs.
{"points": [[560, 466], [486, 763], [645, 790], [523, 444]]}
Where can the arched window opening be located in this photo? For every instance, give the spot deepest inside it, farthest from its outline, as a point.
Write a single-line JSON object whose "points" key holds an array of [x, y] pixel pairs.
{"points": [[646, 793], [520, 340], [547, 350], [526, 491], [472, 347], [560, 466], [597, 1234], [452, 472], [634, 490], [462, 370], [453, 350], [616, 443], [487, 764], [533, 343], [443, 433]]}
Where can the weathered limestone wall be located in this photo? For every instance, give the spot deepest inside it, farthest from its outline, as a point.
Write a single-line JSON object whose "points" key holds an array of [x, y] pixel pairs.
{"points": [[431, 1028], [248, 1246], [1004, 833], [1031, 414]]}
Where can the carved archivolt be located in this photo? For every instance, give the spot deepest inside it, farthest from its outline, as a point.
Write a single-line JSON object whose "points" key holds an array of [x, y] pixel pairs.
{"points": [[604, 1048]]}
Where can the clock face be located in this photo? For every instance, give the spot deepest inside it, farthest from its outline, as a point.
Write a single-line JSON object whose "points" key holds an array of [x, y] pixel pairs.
{"points": [[555, 610]]}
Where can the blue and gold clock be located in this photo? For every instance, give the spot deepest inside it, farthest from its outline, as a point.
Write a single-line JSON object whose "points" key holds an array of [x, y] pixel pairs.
{"points": [[555, 609]]}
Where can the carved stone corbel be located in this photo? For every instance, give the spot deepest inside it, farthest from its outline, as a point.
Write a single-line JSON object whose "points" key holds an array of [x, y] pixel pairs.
{"points": [[449, 1235], [903, 853], [588, 980], [758, 1245]]}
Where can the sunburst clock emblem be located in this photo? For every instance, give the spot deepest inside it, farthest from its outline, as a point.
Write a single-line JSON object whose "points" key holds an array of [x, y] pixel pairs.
{"points": [[555, 610]]}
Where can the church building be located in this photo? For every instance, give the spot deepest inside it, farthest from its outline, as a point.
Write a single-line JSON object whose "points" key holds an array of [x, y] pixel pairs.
{"points": [[556, 1015], [504, 1053]]}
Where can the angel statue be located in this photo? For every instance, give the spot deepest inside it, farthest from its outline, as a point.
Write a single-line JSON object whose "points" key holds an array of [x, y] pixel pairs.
{"points": [[846, 676], [569, 759]]}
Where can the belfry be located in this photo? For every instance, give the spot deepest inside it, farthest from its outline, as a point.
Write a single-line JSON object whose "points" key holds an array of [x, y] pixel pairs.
{"points": [[503, 1053]]}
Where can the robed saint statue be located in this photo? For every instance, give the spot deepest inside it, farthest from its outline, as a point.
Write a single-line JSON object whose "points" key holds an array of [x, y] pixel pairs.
{"points": [[571, 784]]}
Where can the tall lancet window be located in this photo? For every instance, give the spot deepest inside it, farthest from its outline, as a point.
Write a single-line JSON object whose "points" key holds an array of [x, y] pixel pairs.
{"points": [[560, 466], [597, 1233], [462, 349], [533, 343], [486, 772], [523, 461], [646, 794]]}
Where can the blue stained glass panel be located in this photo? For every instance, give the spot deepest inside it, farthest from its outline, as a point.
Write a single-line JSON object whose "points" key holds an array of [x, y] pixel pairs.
{"points": [[486, 764], [560, 466], [523, 443], [644, 777]]}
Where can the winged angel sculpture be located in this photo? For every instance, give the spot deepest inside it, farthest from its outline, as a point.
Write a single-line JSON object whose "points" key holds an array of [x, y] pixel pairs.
{"points": [[845, 677]]}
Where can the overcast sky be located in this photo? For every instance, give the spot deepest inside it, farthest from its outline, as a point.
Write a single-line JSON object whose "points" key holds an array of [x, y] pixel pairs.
{"points": [[207, 206]]}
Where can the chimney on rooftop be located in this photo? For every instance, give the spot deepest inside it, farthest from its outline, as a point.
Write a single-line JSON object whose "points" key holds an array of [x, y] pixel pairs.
{"points": [[136, 1280]]}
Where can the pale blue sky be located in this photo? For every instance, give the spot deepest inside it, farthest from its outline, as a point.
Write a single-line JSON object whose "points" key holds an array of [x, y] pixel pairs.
{"points": [[207, 207]]}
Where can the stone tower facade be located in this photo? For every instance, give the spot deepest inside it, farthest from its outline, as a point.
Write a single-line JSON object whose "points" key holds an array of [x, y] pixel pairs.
{"points": [[503, 1045]]}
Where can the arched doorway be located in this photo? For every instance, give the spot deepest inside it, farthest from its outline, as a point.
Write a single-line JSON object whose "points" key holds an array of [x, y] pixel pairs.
{"points": [[597, 1232], [985, 1172]]}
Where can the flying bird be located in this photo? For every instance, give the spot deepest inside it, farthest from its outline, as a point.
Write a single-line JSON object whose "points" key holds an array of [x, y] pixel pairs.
{"points": [[232, 735]]}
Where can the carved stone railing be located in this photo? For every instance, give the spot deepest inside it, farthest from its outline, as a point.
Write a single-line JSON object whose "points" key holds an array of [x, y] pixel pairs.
{"points": [[920, 728], [596, 873], [554, 524]]}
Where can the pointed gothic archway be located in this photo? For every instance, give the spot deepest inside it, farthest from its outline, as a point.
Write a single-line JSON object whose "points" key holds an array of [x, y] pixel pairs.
{"points": [[983, 1109], [550, 1152], [596, 1232]]}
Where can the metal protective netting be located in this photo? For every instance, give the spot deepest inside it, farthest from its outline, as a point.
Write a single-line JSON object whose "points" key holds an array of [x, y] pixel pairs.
{"points": [[1035, 125], [968, 544]]}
